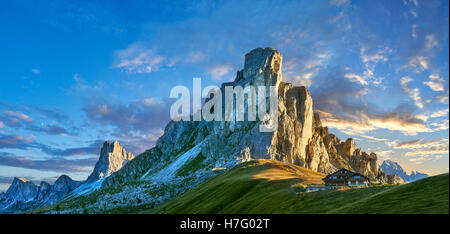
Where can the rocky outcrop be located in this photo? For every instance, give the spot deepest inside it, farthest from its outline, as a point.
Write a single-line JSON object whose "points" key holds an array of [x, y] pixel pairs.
{"points": [[112, 158], [394, 179], [392, 167], [299, 137]]}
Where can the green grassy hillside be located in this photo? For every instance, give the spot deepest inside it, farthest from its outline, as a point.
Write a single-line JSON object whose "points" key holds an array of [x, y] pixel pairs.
{"points": [[265, 186]]}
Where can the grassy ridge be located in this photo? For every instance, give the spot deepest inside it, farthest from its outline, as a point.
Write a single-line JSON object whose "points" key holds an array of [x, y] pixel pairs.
{"points": [[426, 196], [265, 186]]}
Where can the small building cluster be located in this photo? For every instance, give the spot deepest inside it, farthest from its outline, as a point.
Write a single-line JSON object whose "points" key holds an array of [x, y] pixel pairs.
{"points": [[340, 178], [344, 177]]}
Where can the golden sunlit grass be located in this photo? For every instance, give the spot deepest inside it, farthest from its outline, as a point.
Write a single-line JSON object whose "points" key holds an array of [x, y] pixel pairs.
{"points": [[265, 186], [274, 170]]}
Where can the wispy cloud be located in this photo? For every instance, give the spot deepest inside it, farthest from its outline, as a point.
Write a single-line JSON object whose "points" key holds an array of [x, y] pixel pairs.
{"points": [[138, 59], [419, 143], [436, 82], [419, 62], [429, 151], [90, 149], [15, 118], [219, 71], [356, 78], [54, 164], [439, 113], [430, 41], [338, 2], [414, 93], [14, 142], [35, 71], [394, 121], [443, 98]]}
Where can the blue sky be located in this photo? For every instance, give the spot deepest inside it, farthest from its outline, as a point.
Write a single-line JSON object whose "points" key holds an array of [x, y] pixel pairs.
{"points": [[76, 73]]}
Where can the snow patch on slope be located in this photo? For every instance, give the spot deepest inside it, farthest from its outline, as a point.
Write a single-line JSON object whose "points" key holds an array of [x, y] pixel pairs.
{"points": [[170, 170], [86, 188]]}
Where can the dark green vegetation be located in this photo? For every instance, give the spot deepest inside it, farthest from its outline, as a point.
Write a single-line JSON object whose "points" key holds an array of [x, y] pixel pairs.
{"points": [[191, 166], [265, 186]]}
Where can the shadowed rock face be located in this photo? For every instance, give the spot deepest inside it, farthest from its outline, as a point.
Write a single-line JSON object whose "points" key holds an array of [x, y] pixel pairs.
{"points": [[299, 138], [25, 195], [112, 157], [21, 190]]}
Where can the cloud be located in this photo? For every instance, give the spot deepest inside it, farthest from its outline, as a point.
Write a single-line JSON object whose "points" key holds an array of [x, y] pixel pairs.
{"points": [[15, 118], [6, 179], [419, 62], [384, 155], [414, 31], [35, 71], [137, 59], [19, 142], [429, 151], [373, 138], [342, 105], [430, 41], [436, 82], [52, 129], [443, 98], [439, 113], [356, 78], [217, 72], [2, 125], [136, 123], [338, 2], [91, 149], [374, 55], [438, 126], [14, 142], [138, 116], [198, 43], [365, 122], [414, 93], [54, 164], [420, 143], [54, 114]]}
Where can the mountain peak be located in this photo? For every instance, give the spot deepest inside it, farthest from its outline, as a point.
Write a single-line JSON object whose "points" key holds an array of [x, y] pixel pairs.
{"points": [[23, 179], [392, 167], [261, 67], [112, 157]]}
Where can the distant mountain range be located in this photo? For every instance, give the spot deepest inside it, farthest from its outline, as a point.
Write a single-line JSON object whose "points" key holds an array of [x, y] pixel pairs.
{"points": [[24, 195], [392, 167]]}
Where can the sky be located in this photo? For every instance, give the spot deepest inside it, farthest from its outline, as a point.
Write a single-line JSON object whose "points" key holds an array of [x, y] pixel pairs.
{"points": [[76, 73]]}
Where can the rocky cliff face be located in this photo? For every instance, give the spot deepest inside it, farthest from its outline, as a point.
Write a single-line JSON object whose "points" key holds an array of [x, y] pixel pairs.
{"points": [[392, 167], [112, 158], [299, 138]]}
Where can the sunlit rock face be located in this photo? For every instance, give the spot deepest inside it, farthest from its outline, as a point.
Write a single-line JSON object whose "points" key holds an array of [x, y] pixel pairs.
{"points": [[112, 157]]}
